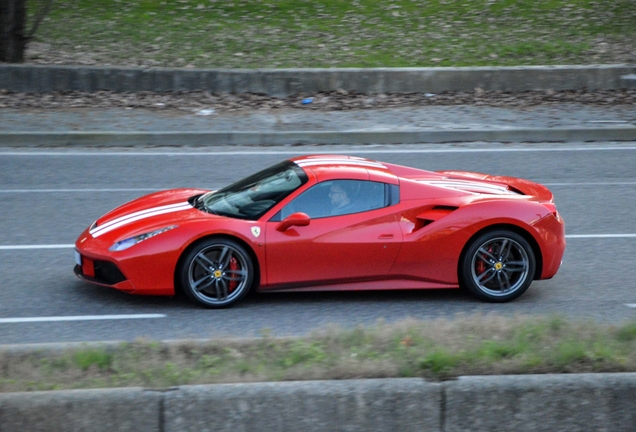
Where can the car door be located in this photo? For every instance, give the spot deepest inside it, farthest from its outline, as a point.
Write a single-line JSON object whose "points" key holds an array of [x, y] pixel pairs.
{"points": [[352, 242]]}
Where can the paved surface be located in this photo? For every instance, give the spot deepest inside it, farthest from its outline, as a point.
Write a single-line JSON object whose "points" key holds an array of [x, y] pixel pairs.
{"points": [[397, 119], [430, 124], [49, 196]]}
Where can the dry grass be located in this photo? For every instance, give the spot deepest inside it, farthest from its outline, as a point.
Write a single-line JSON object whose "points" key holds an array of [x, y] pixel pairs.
{"points": [[438, 349]]}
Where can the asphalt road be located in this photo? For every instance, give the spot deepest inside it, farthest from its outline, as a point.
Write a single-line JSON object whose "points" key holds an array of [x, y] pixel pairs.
{"points": [[47, 197]]}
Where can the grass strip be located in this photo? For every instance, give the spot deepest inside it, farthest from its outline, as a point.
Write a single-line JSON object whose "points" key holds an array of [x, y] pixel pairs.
{"points": [[437, 350], [334, 33]]}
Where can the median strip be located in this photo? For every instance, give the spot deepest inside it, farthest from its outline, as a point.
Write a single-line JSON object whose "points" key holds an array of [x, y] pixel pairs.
{"points": [[436, 349]]}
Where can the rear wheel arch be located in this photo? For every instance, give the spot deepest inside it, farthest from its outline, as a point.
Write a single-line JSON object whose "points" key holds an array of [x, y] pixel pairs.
{"points": [[517, 230], [252, 255]]}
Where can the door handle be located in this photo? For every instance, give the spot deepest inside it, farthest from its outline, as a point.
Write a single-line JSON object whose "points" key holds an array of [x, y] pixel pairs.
{"points": [[385, 236]]}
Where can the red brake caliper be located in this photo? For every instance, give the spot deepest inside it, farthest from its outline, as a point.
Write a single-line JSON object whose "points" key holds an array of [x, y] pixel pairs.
{"points": [[481, 265], [233, 266]]}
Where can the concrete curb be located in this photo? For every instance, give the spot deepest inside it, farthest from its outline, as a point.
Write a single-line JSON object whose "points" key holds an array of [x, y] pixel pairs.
{"points": [[225, 138], [576, 402], [285, 82]]}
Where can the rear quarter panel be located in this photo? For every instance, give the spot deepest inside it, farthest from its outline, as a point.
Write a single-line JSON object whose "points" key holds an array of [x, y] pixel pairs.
{"points": [[432, 253]]}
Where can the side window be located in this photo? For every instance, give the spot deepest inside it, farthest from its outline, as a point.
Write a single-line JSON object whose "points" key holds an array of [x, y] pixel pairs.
{"points": [[340, 197]]}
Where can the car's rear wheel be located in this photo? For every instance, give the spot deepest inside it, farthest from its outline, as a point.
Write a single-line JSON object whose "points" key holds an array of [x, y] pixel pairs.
{"points": [[498, 266], [217, 273]]}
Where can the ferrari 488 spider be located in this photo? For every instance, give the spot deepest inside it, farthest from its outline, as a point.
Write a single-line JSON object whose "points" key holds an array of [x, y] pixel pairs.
{"points": [[330, 222]]}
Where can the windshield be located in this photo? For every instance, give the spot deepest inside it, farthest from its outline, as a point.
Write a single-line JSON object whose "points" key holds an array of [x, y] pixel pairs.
{"points": [[253, 196]]}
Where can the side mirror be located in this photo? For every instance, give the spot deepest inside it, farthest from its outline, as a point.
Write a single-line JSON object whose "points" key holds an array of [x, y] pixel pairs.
{"points": [[294, 219]]}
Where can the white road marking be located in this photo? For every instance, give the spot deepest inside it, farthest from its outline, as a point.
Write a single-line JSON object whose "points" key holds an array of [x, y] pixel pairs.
{"points": [[78, 318], [313, 150], [574, 236], [80, 190], [29, 247], [27, 191], [631, 305]]}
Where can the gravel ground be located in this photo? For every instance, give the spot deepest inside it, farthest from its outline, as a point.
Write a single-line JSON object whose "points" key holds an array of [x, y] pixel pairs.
{"points": [[331, 101]]}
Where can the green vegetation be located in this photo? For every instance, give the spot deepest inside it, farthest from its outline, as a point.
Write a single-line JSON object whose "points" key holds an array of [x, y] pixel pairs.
{"points": [[336, 33], [437, 350]]}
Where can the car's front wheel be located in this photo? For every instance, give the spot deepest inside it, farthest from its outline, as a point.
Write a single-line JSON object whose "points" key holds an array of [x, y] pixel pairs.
{"points": [[498, 266], [217, 273]]}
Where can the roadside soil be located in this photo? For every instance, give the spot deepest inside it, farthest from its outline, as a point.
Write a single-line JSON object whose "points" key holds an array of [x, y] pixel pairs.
{"points": [[329, 101]]}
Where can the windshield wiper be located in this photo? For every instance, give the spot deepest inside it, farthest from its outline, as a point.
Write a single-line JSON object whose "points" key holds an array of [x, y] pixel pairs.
{"points": [[199, 204]]}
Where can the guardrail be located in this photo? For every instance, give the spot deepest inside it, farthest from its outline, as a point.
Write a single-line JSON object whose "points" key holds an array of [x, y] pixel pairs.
{"points": [[572, 402]]}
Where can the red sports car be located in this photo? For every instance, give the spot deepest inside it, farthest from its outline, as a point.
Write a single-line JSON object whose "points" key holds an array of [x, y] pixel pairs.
{"points": [[330, 222]]}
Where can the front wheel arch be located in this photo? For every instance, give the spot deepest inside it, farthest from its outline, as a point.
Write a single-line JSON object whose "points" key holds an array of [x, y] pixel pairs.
{"points": [[257, 267]]}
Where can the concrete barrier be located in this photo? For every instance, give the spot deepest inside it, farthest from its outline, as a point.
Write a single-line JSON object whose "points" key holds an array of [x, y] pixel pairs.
{"points": [[403, 405], [572, 402], [285, 82], [107, 410], [569, 402]]}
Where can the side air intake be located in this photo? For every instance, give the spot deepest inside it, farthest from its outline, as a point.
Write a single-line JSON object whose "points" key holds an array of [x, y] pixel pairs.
{"points": [[434, 214]]}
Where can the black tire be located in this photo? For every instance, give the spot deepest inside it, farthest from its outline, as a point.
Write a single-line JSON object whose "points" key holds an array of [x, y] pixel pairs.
{"points": [[216, 273], [497, 266]]}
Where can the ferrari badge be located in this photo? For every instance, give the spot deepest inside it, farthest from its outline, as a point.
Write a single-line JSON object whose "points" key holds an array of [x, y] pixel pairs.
{"points": [[256, 231]]}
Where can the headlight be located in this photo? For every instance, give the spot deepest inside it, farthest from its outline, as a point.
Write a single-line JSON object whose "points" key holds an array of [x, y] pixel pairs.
{"points": [[125, 244]]}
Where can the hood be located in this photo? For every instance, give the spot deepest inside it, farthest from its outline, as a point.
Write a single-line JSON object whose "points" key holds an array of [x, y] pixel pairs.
{"points": [[146, 211]]}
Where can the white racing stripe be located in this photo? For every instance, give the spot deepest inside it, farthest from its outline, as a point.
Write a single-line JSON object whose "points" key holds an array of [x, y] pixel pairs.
{"points": [[78, 318], [469, 186], [132, 217], [138, 213], [343, 161]]}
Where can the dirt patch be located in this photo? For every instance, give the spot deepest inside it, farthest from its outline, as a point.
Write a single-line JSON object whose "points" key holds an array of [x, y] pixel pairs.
{"points": [[330, 101]]}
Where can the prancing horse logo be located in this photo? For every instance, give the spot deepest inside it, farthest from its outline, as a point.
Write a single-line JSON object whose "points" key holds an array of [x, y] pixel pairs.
{"points": [[256, 231]]}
